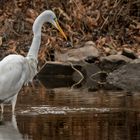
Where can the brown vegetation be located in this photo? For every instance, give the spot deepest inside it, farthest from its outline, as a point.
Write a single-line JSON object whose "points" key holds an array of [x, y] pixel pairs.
{"points": [[112, 24]]}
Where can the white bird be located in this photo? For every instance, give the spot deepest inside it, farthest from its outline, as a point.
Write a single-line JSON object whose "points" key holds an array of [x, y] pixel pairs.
{"points": [[17, 70]]}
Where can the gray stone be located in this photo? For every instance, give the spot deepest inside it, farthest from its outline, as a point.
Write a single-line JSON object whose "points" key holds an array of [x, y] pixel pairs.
{"points": [[115, 58], [63, 74], [77, 54], [58, 69], [129, 53], [113, 62], [91, 76], [126, 77]]}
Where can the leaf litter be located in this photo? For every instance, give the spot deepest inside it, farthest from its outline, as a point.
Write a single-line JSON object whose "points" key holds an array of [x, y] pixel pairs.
{"points": [[111, 24]]}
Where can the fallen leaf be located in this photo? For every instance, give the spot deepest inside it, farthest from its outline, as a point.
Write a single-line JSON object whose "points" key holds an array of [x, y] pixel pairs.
{"points": [[0, 41]]}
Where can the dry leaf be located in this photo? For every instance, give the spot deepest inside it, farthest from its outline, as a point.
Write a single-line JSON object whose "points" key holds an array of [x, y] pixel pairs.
{"points": [[31, 13], [137, 38], [0, 41], [29, 20]]}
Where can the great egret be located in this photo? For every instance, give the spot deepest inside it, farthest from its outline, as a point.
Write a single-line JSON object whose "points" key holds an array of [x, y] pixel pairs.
{"points": [[16, 70]]}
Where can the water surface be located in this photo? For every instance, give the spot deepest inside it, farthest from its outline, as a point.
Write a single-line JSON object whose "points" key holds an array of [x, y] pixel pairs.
{"points": [[72, 114]]}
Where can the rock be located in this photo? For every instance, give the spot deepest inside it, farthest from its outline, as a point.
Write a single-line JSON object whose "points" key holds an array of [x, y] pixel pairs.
{"points": [[91, 76], [57, 74], [129, 53], [56, 82], [78, 54], [88, 70], [113, 62], [58, 69], [126, 77], [72, 73], [115, 58]]}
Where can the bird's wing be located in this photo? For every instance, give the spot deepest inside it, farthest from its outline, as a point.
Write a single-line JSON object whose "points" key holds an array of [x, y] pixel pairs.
{"points": [[12, 75]]}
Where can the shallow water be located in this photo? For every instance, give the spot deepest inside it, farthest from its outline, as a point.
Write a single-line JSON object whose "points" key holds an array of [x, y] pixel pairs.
{"points": [[72, 114]]}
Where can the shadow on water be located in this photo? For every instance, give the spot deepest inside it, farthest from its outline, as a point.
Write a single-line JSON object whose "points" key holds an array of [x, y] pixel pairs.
{"points": [[73, 114]]}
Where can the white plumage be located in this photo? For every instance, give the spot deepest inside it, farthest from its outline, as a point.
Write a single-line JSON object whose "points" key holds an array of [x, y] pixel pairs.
{"points": [[16, 70]]}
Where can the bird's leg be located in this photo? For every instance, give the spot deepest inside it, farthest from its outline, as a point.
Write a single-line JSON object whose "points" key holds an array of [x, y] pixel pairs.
{"points": [[1, 117], [13, 102], [2, 108], [14, 122]]}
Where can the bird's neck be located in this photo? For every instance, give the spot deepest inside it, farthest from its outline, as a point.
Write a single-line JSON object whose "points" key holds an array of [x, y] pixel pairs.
{"points": [[33, 51]]}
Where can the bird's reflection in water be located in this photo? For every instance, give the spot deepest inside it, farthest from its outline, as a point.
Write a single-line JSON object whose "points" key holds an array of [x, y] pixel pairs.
{"points": [[9, 129]]}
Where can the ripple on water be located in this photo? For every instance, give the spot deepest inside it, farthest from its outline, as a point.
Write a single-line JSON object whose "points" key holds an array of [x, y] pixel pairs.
{"points": [[61, 110]]}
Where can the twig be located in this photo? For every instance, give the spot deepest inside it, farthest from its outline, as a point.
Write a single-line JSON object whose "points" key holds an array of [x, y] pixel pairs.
{"points": [[91, 77], [104, 22], [82, 77]]}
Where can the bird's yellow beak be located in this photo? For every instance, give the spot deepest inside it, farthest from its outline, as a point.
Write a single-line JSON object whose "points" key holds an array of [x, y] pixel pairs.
{"points": [[60, 29]]}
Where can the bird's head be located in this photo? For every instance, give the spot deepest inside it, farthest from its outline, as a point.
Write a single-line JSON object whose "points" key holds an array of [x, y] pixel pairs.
{"points": [[51, 18]]}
